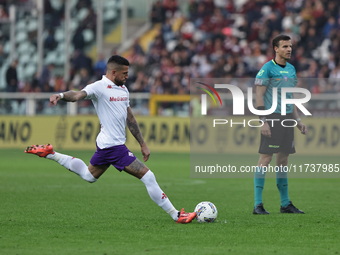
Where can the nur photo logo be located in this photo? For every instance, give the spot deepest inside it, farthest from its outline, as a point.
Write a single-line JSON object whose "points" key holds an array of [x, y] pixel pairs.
{"points": [[204, 97], [238, 99], [239, 104]]}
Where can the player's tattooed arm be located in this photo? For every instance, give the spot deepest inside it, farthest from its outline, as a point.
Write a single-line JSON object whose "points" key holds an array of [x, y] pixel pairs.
{"points": [[135, 131], [133, 126], [69, 96]]}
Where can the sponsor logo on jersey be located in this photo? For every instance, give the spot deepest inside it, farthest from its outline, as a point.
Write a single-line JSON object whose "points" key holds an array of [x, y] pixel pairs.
{"points": [[118, 99], [261, 72], [109, 86]]}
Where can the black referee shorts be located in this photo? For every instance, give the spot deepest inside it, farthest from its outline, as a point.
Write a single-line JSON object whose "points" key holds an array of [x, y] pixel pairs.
{"points": [[282, 138]]}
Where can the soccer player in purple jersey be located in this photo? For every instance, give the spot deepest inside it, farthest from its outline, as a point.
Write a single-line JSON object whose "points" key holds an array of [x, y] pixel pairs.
{"points": [[111, 100]]}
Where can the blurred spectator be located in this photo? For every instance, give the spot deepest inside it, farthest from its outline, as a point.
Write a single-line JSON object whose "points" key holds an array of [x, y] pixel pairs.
{"points": [[187, 30], [157, 14], [152, 57], [335, 74], [78, 39], [158, 43], [2, 55], [26, 87], [80, 60], [48, 13], [12, 77], [48, 9], [46, 78], [3, 14], [209, 6], [99, 67], [36, 86], [59, 85], [81, 79], [157, 87], [90, 21], [198, 14], [166, 30], [180, 45], [330, 25], [83, 4], [50, 43], [53, 16], [141, 83], [171, 8], [138, 48]]}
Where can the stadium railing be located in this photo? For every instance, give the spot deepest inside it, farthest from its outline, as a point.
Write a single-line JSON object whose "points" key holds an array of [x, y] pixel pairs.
{"points": [[31, 104]]}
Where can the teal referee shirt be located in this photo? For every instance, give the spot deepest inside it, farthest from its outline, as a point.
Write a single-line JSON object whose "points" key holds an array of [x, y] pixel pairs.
{"points": [[273, 75]]}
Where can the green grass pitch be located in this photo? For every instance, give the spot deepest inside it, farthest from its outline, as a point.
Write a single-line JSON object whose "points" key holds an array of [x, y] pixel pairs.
{"points": [[45, 209]]}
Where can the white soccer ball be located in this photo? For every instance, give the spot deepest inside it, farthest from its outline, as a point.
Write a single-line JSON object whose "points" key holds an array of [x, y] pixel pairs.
{"points": [[206, 212]]}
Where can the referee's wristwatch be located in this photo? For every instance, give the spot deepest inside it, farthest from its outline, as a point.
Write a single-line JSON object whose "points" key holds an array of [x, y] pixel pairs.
{"points": [[298, 119], [264, 120]]}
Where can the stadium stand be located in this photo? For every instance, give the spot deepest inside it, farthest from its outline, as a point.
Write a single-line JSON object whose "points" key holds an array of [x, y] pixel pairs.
{"points": [[200, 38], [228, 39], [83, 29]]}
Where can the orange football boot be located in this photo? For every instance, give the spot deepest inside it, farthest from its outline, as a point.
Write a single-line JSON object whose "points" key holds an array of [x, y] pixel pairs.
{"points": [[185, 217], [40, 150]]}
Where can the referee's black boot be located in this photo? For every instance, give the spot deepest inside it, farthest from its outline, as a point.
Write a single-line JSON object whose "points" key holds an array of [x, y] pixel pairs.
{"points": [[259, 209], [290, 209]]}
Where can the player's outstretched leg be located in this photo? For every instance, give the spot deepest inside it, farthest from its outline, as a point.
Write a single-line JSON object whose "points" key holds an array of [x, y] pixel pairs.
{"points": [[139, 170], [75, 165], [159, 197]]}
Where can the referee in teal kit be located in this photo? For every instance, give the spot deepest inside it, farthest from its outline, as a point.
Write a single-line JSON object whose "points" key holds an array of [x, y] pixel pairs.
{"points": [[275, 138]]}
